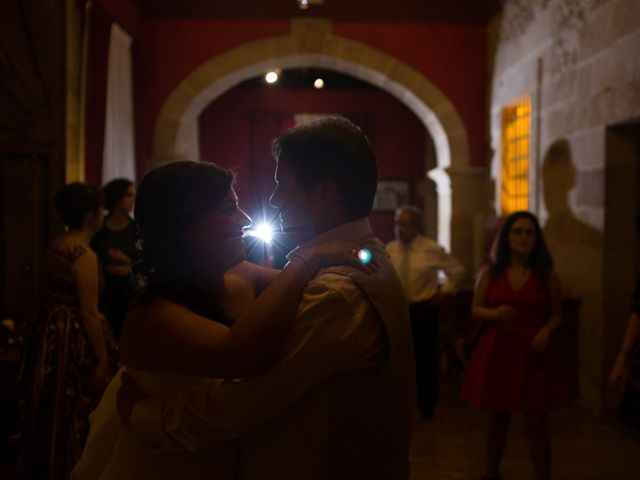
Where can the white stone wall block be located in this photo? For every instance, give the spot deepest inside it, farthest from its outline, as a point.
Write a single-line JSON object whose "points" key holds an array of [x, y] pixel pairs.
{"points": [[588, 148], [590, 188]]}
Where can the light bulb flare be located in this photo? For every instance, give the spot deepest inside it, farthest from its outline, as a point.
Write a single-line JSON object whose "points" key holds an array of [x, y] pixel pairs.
{"points": [[263, 231], [271, 77]]}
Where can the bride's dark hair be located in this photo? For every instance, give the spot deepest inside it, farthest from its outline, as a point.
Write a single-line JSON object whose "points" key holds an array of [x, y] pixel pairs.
{"points": [[170, 199]]}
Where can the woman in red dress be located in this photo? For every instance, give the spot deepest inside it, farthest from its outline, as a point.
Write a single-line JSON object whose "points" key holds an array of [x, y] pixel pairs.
{"points": [[512, 368]]}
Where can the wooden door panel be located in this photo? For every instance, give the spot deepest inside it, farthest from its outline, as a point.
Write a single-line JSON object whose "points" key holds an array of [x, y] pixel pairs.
{"points": [[24, 233]]}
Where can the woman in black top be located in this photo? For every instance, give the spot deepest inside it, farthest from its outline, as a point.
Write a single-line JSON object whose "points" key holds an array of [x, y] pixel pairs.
{"points": [[115, 246]]}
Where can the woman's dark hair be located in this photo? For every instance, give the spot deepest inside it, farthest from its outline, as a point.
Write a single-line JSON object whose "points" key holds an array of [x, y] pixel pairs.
{"points": [[115, 191], [333, 149], [75, 200], [170, 199], [540, 259]]}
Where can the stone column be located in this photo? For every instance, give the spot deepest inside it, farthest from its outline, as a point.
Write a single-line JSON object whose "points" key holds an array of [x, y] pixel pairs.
{"points": [[471, 195]]}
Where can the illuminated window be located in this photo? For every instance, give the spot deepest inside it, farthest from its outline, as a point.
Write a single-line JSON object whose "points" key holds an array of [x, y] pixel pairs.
{"points": [[516, 133]]}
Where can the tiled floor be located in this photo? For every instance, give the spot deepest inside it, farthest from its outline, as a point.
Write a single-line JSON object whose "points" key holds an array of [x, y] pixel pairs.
{"points": [[586, 446]]}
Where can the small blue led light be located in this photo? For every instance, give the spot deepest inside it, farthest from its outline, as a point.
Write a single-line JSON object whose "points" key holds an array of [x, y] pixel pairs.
{"points": [[365, 256]]}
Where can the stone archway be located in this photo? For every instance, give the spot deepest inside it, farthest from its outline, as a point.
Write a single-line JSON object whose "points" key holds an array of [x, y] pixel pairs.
{"points": [[311, 44]]}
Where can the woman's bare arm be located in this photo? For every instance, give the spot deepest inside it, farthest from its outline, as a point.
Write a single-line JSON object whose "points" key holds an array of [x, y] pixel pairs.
{"points": [[165, 336], [85, 270], [619, 374], [540, 341], [555, 290]]}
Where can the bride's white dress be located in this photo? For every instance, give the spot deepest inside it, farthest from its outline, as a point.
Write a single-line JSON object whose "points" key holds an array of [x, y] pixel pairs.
{"points": [[113, 452]]}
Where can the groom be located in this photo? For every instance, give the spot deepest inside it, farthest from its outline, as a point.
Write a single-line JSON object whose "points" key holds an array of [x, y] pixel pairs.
{"points": [[335, 404]]}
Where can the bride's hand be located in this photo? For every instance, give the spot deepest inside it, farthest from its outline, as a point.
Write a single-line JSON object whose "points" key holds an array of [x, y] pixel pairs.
{"points": [[618, 376], [129, 394], [339, 252], [101, 376]]}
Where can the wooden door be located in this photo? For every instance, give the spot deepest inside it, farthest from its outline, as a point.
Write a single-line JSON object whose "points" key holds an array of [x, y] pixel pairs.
{"points": [[32, 143], [24, 181]]}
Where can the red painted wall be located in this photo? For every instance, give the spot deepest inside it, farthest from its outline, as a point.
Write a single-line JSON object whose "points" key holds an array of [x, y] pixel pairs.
{"points": [[169, 50], [452, 56], [236, 131], [125, 12]]}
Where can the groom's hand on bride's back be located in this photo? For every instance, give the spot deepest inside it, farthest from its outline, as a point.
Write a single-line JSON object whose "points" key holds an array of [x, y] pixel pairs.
{"points": [[129, 395]]}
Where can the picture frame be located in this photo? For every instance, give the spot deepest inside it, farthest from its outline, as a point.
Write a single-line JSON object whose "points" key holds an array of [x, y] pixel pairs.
{"points": [[391, 194]]}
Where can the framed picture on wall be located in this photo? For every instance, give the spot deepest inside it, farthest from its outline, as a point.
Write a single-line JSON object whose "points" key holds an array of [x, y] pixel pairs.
{"points": [[391, 194]]}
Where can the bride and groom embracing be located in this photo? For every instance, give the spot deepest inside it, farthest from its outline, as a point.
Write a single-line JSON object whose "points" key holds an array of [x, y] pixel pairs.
{"points": [[237, 371]]}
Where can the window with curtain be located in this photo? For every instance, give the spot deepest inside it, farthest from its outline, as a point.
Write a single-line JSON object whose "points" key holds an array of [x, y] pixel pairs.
{"points": [[516, 136], [118, 158]]}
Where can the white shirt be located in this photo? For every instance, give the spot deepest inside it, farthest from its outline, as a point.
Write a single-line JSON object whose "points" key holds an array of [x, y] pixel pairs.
{"points": [[336, 331], [418, 271]]}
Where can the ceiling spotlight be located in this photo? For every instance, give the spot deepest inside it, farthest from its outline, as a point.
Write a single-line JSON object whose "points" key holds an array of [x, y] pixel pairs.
{"points": [[271, 77], [304, 4], [319, 83]]}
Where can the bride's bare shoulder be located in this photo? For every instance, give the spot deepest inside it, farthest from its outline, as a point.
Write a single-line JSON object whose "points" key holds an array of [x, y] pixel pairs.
{"points": [[149, 323]]}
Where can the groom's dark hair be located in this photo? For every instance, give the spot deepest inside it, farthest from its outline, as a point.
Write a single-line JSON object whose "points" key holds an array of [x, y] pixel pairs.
{"points": [[334, 149]]}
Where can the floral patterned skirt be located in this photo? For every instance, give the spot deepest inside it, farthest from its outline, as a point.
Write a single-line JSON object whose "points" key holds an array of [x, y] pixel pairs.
{"points": [[61, 399]]}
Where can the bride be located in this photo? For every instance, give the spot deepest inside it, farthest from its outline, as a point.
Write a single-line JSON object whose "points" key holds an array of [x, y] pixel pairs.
{"points": [[205, 313]]}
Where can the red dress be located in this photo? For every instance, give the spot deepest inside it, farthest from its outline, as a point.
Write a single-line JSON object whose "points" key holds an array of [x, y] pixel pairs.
{"points": [[503, 375]]}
